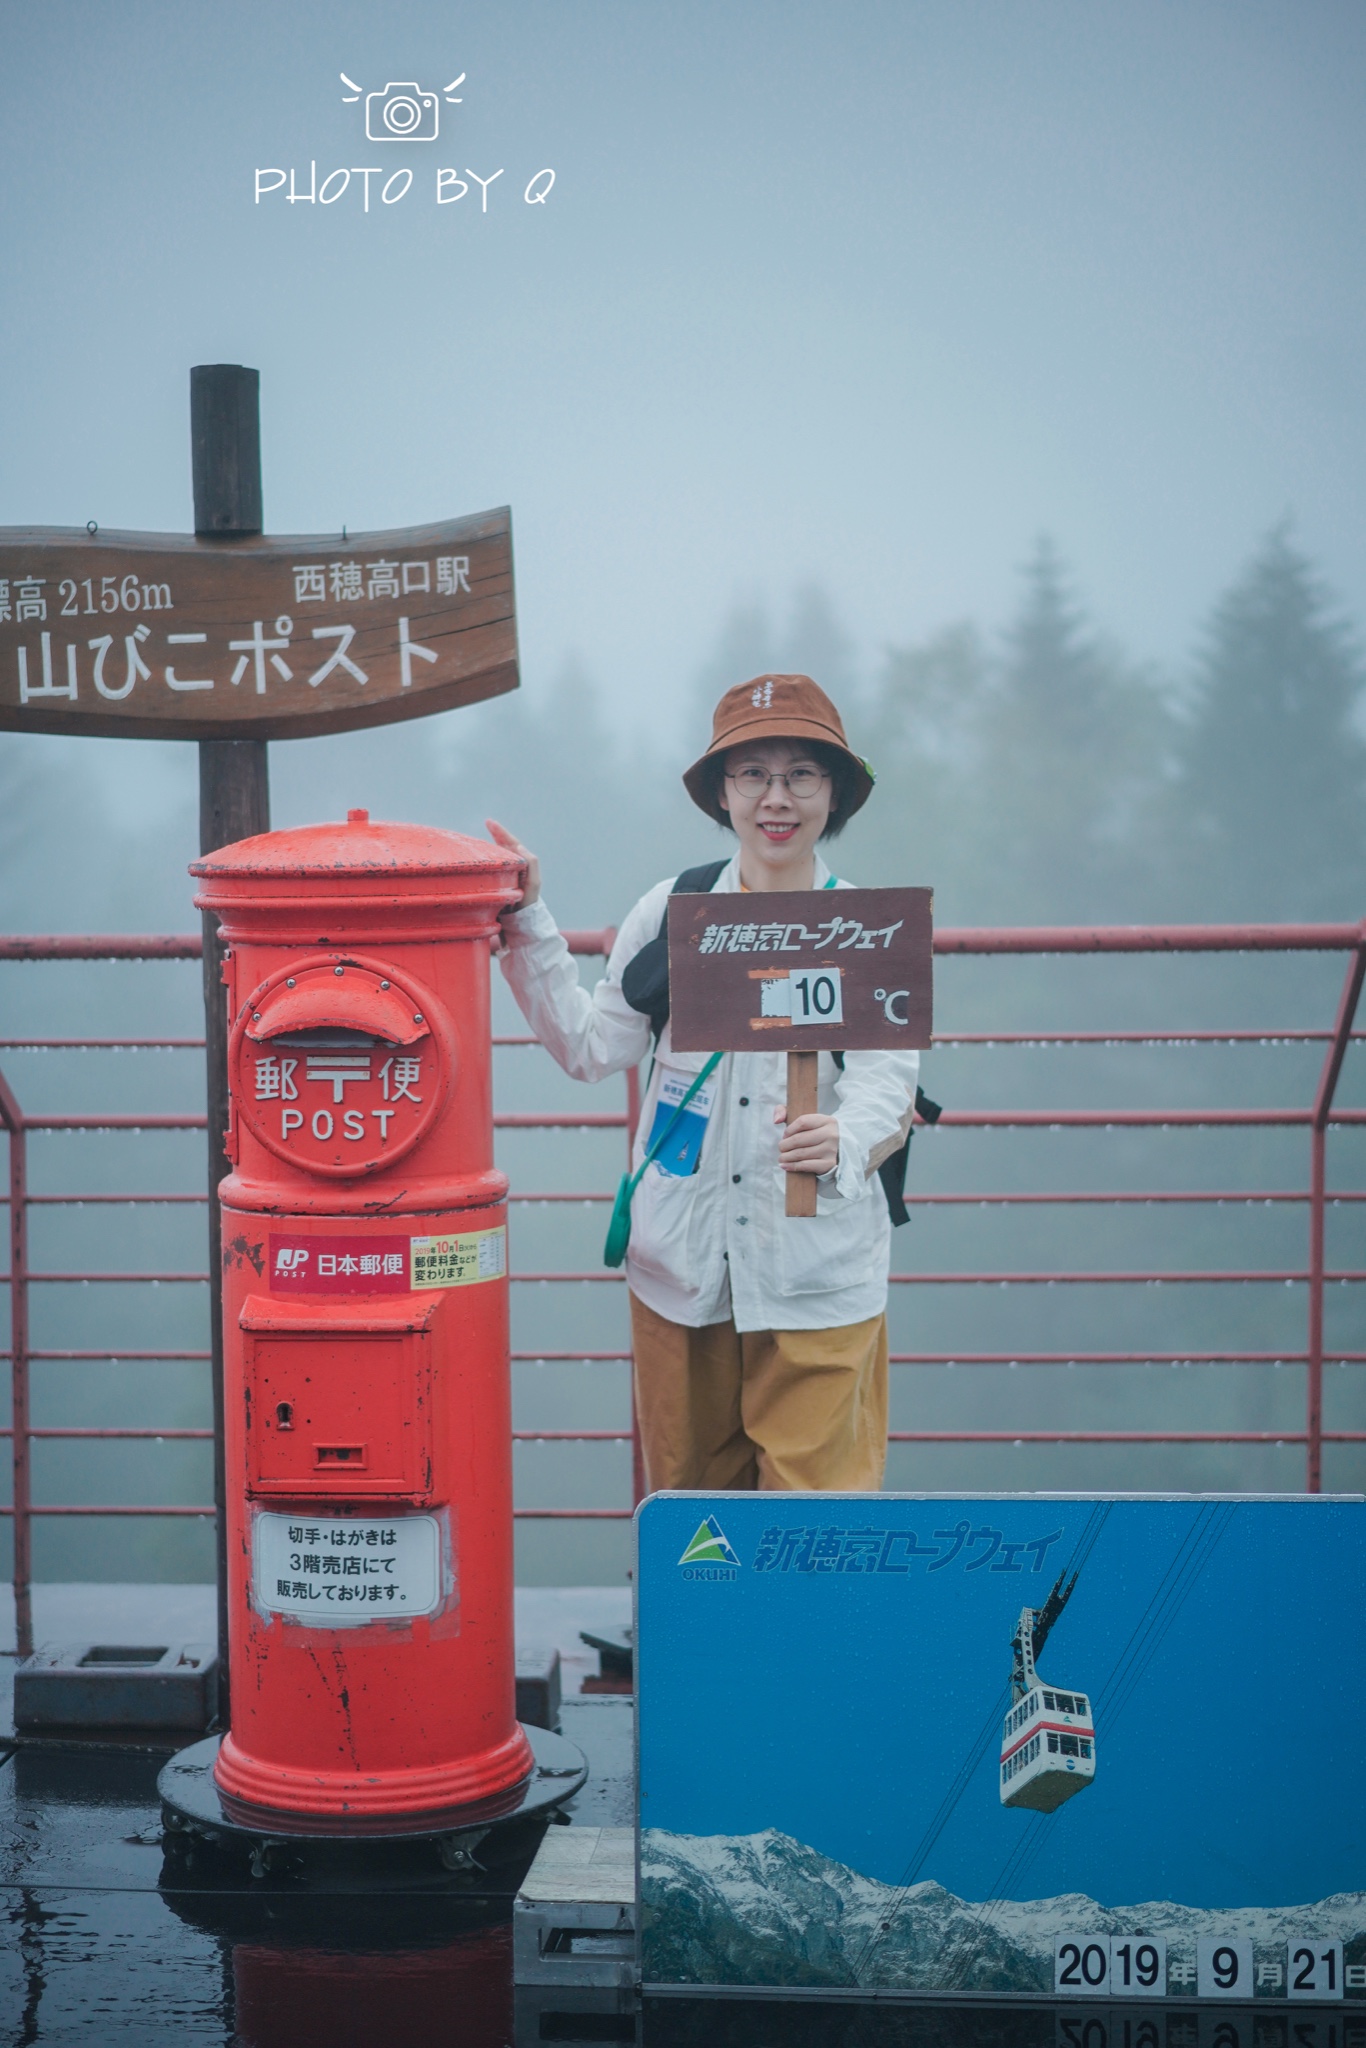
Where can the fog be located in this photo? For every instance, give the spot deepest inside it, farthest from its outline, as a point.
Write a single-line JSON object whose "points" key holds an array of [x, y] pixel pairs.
{"points": [[998, 367]]}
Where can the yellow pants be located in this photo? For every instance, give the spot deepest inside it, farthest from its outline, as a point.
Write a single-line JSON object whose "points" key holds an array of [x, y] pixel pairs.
{"points": [[780, 1411]]}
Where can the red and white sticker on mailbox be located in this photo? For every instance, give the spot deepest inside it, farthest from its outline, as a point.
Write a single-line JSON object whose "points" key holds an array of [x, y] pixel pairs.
{"points": [[307, 1264]]}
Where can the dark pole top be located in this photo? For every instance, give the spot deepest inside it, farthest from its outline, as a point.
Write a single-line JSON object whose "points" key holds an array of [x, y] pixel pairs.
{"points": [[225, 439]]}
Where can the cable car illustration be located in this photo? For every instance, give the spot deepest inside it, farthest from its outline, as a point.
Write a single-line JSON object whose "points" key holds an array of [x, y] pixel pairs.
{"points": [[1048, 1741]]}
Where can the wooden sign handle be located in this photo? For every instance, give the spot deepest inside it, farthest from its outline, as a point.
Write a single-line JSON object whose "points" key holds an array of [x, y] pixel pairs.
{"points": [[801, 1101]]}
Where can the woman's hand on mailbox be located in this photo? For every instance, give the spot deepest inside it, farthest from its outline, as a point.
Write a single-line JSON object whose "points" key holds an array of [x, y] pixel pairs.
{"points": [[531, 867], [810, 1144]]}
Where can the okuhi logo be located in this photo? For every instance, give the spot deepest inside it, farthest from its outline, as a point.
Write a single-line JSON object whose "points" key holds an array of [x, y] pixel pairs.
{"points": [[709, 1555], [401, 111]]}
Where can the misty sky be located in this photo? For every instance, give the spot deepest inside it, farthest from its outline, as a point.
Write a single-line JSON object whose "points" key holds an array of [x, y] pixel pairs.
{"points": [[867, 294]]}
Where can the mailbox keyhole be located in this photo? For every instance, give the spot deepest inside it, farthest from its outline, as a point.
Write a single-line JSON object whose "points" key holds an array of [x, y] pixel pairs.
{"points": [[284, 1415]]}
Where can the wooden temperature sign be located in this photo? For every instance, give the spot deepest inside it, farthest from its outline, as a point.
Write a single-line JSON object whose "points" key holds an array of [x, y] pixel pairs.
{"points": [[815, 970], [170, 636]]}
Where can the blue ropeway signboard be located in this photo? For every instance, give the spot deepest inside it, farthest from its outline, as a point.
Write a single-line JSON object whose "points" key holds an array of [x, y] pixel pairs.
{"points": [[1016, 1746]]}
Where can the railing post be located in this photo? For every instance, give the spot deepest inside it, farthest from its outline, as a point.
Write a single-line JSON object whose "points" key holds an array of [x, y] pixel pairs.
{"points": [[1313, 1420], [12, 1117], [1318, 1168]]}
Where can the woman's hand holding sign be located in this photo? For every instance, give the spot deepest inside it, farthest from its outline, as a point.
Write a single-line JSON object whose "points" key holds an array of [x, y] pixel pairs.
{"points": [[810, 1144]]}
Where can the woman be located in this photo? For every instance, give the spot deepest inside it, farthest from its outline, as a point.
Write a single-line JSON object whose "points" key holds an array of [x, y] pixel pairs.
{"points": [[760, 1341]]}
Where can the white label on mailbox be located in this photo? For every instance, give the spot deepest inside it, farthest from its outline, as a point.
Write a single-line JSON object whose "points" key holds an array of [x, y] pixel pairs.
{"points": [[459, 1261], [342, 1572]]}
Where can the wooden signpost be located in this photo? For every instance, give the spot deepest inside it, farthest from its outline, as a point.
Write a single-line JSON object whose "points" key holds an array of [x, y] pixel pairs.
{"points": [[849, 970], [233, 639], [171, 636]]}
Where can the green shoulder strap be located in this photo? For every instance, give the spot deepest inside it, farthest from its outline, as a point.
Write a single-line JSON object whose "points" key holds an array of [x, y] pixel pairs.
{"points": [[619, 1229]]}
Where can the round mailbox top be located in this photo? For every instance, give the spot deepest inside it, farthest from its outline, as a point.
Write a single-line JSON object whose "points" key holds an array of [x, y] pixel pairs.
{"points": [[356, 849]]}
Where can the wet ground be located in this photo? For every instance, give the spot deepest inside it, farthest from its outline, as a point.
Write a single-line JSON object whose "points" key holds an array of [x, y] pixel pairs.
{"points": [[112, 1936]]}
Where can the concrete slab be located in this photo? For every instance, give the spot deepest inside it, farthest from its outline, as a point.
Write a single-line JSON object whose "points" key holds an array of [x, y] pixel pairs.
{"points": [[573, 1922], [592, 1865]]}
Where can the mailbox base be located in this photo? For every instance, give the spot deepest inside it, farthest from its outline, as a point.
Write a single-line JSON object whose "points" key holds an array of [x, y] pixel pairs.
{"points": [[485, 1783], [192, 1804]]}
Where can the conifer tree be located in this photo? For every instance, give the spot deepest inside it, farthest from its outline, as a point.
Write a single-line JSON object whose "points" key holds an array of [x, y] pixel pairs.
{"points": [[1271, 794], [1071, 744], [922, 733]]}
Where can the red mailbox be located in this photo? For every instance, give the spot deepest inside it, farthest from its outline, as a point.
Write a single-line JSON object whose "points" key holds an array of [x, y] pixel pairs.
{"points": [[365, 1323]]}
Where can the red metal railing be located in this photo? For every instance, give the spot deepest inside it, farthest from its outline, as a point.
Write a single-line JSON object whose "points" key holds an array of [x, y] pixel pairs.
{"points": [[1314, 1117], [22, 1354]]}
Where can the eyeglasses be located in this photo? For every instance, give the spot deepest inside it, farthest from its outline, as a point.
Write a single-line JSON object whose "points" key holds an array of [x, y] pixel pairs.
{"points": [[801, 781]]}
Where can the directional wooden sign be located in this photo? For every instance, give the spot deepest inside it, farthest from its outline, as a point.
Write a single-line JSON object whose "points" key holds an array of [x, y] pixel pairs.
{"points": [[802, 972], [169, 636]]}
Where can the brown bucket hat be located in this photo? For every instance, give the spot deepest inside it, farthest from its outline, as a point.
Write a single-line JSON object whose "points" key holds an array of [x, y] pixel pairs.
{"points": [[776, 708]]}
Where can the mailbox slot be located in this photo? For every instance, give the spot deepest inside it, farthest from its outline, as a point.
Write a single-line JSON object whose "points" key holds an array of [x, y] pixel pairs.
{"points": [[340, 1457], [328, 1005], [338, 1399]]}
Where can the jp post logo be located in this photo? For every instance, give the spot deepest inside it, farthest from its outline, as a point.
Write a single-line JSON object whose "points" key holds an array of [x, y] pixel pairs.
{"points": [[405, 112]]}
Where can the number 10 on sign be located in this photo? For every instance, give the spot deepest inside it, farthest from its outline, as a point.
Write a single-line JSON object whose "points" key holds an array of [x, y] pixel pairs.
{"points": [[817, 995]]}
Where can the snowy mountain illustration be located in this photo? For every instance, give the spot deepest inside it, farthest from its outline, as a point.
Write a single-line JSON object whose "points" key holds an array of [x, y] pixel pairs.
{"points": [[765, 1909]]}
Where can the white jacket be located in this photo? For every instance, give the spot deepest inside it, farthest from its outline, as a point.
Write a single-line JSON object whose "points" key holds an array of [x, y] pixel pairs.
{"points": [[716, 1243]]}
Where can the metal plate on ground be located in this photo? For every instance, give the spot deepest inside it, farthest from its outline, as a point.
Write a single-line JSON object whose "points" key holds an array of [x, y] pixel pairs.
{"points": [[192, 1803]]}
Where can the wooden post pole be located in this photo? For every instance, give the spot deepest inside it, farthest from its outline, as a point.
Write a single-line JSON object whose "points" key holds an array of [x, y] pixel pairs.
{"points": [[801, 1101], [234, 803]]}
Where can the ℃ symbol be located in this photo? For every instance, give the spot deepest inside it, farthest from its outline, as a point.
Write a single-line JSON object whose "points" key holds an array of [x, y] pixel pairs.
{"points": [[709, 1546]]}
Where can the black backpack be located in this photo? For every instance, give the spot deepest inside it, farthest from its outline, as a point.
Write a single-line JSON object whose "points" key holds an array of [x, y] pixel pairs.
{"points": [[645, 985]]}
